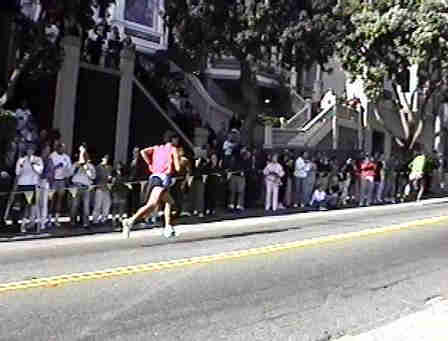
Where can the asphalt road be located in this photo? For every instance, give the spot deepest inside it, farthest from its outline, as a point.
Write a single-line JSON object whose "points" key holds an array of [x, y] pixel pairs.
{"points": [[305, 294]]}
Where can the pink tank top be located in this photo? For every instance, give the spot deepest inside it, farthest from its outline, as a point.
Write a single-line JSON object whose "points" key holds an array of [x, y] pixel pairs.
{"points": [[162, 160]]}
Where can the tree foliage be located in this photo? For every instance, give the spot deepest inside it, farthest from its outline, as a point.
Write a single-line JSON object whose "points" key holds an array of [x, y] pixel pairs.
{"points": [[383, 39], [290, 32]]}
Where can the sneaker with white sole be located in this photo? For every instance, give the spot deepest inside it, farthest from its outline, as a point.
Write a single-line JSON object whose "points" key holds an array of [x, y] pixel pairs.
{"points": [[169, 231], [127, 225]]}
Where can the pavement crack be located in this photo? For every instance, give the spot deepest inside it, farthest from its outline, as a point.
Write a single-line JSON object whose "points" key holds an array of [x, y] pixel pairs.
{"points": [[388, 285]]}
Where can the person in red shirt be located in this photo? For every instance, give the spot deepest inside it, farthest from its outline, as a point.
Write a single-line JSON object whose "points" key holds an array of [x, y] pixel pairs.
{"points": [[163, 161], [368, 168]]}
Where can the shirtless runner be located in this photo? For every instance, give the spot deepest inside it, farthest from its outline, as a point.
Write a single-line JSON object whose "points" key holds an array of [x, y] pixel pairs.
{"points": [[163, 162]]}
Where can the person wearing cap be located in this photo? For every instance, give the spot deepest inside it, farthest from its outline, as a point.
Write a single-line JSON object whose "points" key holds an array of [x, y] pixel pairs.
{"points": [[163, 161], [28, 171], [103, 199]]}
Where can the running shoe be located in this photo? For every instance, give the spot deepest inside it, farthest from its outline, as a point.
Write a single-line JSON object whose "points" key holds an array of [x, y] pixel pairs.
{"points": [[169, 231], [127, 225]]}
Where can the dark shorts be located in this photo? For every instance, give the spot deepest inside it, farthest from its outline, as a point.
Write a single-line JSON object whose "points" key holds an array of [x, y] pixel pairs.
{"points": [[156, 181]]}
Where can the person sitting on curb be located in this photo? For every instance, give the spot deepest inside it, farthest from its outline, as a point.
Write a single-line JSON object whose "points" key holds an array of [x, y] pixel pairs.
{"points": [[319, 199]]}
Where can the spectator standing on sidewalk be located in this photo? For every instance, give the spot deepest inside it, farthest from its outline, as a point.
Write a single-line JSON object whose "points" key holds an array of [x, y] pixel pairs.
{"points": [[348, 179], [309, 181], [5, 186], [198, 186], [390, 185], [119, 194], [324, 169], [254, 180], [137, 172], [300, 175], [230, 148], [62, 173], [380, 179], [368, 168], [28, 171], [103, 198], [84, 175], [45, 184], [273, 173], [213, 184], [237, 181], [288, 167]]}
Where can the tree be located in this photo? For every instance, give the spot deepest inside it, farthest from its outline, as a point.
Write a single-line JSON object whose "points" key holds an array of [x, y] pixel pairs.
{"points": [[382, 39], [255, 33], [39, 53]]}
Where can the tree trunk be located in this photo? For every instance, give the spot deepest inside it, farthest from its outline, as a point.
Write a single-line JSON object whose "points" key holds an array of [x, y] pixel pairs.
{"points": [[412, 130], [251, 97]]}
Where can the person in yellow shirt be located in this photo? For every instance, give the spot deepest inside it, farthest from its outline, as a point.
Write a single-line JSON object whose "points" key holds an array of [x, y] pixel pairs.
{"points": [[416, 177]]}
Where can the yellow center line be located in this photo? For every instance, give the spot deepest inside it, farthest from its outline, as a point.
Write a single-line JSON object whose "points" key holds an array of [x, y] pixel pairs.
{"points": [[55, 281]]}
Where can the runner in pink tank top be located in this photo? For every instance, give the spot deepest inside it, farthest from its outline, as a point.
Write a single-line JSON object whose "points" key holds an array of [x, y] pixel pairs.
{"points": [[162, 161]]}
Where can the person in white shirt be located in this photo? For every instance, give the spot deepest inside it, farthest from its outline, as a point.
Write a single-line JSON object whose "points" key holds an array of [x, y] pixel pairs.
{"points": [[300, 173], [319, 199], [84, 174], [28, 171], [62, 172], [273, 172]]}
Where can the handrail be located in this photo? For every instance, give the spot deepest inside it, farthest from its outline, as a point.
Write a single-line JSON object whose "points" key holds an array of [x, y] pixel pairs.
{"points": [[163, 112], [197, 84], [300, 98], [296, 116], [304, 108], [323, 113]]}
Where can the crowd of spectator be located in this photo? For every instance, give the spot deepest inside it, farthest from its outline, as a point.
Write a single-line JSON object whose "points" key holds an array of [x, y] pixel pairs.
{"points": [[222, 175]]}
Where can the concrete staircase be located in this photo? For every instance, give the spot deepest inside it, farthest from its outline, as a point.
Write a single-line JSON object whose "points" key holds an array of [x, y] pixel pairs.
{"points": [[325, 127]]}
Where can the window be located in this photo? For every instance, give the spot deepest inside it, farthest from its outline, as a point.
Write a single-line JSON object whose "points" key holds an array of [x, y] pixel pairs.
{"points": [[142, 12]]}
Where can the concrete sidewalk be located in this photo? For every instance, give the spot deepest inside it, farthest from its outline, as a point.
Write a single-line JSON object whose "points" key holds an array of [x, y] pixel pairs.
{"points": [[65, 230], [430, 324], [223, 218]]}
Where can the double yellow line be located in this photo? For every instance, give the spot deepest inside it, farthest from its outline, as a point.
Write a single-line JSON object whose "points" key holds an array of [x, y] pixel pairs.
{"points": [[56, 281]]}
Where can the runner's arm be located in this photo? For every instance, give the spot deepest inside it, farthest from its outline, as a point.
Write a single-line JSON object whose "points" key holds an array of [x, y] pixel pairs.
{"points": [[145, 154], [176, 160]]}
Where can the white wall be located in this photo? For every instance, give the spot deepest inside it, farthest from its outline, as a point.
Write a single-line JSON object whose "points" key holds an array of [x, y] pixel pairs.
{"points": [[335, 80]]}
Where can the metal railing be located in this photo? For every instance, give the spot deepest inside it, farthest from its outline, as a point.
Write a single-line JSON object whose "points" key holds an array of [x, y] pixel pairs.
{"points": [[303, 111], [207, 107], [283, 136]]}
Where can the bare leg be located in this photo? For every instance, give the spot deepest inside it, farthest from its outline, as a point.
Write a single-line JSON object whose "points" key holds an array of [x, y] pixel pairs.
{"points": [[168, 201], [167, 208], [421, 188], [150, 206]]}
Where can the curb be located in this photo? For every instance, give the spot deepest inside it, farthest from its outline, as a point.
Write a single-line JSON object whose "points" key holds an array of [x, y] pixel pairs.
{"points": [[224, 226]]}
